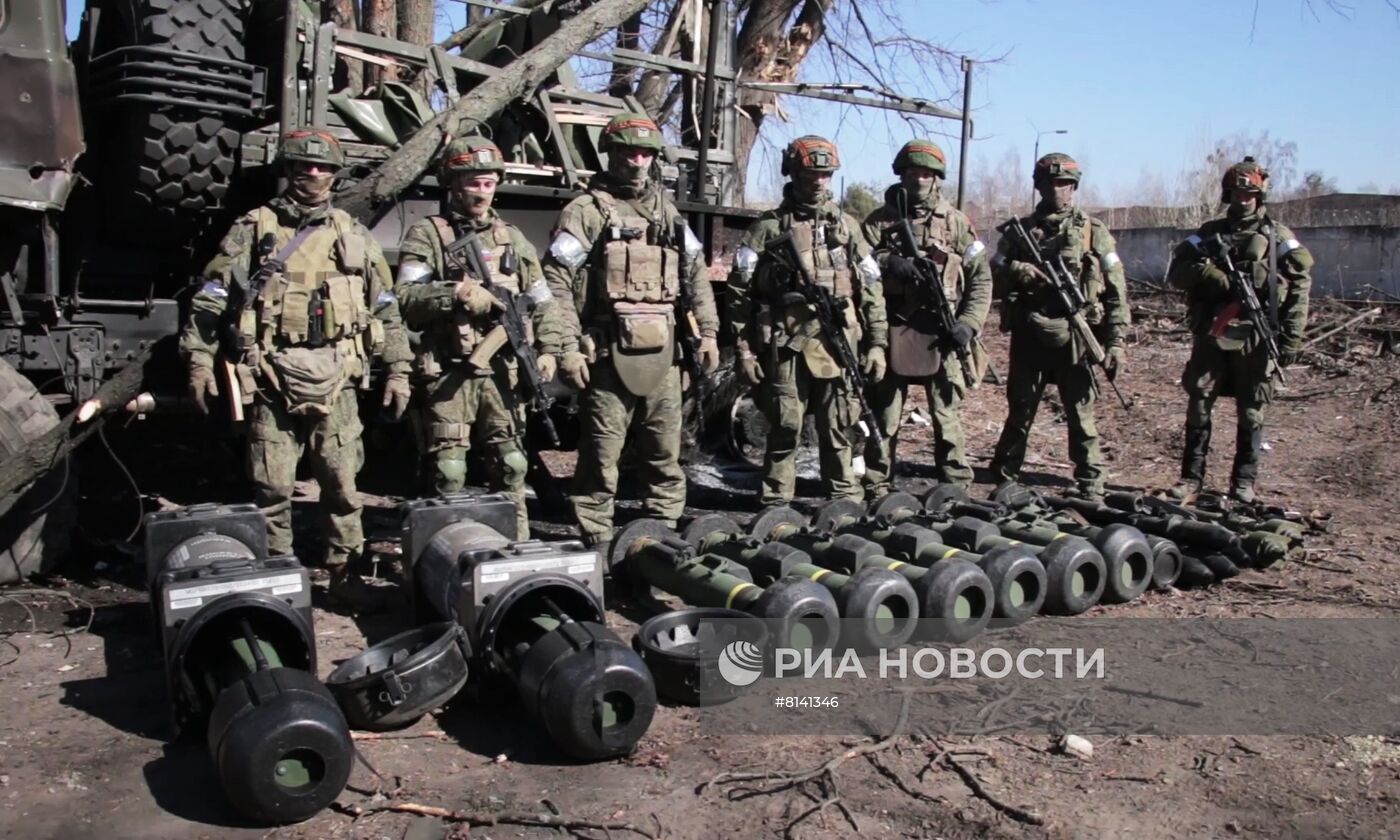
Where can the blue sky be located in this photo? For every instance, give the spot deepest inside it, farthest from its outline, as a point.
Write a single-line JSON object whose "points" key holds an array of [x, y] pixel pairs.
{"points": [[1144, 86]]}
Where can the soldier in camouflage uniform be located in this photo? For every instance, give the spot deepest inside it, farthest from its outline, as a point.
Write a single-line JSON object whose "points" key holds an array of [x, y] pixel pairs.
{"points": [[314, 307], [778, 340], [1044, 348], [468, 377], [616, 264], [1228, 356], [919, 353]]}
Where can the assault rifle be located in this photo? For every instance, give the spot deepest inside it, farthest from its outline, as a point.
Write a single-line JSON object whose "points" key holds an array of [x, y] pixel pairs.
{"points": [[466, 253], [928, 280], [1066, 287], [1243, 289], [685, 307], [783, 251]]}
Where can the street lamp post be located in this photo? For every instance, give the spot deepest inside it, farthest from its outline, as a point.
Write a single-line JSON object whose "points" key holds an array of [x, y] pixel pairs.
{"points": [[1036, 155]]}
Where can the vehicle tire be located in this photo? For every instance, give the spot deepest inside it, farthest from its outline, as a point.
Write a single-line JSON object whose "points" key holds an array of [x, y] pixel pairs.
{"points": [[169, 167], [35, 527]]}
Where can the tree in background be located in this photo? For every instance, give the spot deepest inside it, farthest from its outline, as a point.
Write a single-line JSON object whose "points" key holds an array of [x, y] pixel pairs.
{"points": [[862, 199]]}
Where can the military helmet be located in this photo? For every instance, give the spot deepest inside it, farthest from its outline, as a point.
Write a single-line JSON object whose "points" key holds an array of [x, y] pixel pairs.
{"points": [[1245, 175], [311, 146], [923, 153], [1056, 165], [627, 129], [817, 154], [472, 154]]}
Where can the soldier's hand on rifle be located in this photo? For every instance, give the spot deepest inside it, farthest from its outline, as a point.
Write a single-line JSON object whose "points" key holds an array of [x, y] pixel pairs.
{"points": [[900, 269], [475, 298], [203, 385], [573, 369], [709, 354], [547, 365], [396, 394], [1029, 274], [1115, 362], [962, 335], [873, 365]]}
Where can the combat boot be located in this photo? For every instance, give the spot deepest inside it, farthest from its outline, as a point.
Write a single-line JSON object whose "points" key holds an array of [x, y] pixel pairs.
{"points": [[349, 591], [1185, 488], [1242, 491]]}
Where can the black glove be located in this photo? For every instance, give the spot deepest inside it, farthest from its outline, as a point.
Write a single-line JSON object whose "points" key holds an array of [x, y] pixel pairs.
{"points": [[962, 335], [901, 268]]}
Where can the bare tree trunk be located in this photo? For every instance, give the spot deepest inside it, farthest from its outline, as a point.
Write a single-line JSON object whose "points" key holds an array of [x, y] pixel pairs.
{"points": [[770, 52], [651, 90], [380, 18], [416, 27], [345, 15], [471, 30], [516, 80], [629, 37]]}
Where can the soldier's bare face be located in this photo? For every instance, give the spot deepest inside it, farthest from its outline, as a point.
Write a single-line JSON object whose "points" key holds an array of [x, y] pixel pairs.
{"points": [[810, 185], [310, 183], [1244, 201], [1059, 193], [474, 191]]}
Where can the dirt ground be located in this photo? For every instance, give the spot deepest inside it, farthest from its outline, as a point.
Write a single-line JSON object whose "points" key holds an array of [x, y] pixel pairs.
{"points": [[84, 747]]}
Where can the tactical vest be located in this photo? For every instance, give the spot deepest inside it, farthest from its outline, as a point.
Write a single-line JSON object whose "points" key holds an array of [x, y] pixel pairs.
{"points": [[330, 267], [932, 230], [824, 250], [639, 277], [1073, 242], [916, 337], [456, 342], [1254, 251]]}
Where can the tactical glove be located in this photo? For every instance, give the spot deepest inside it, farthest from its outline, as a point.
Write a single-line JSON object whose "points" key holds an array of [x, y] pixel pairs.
{"points": [[900, 269], [396, 394], [874, 364], [962, 335], [547, 365], [1214, 279], [709, 354], [475, 298], [573, 370], [203, 385], [1115, 362], [748, 367]]}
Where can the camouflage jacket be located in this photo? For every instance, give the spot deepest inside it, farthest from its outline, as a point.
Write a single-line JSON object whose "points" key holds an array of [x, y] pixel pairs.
{"points": [[756, 312], [1089, 251], [346, 248], [573, 264], [967, 277], [426, 285], [1254, 241]]}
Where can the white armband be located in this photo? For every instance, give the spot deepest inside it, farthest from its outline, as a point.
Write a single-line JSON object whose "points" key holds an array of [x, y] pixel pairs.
{"points": [[414, 272], [746, 259], [568, 250]]}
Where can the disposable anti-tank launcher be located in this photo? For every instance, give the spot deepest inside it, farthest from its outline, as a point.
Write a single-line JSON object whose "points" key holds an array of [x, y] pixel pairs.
{"points": [[534, 615], [800, 613], [1074, 569], [1016, 576], [240, 660], [878, 606], [955, 599]]}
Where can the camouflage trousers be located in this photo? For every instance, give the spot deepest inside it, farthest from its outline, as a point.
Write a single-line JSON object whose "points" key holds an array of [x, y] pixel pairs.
{"points": [[945, 391], [788, 394], [1210, 373], [277, 440], [461, 409], [1034, 364], [608, 413]]}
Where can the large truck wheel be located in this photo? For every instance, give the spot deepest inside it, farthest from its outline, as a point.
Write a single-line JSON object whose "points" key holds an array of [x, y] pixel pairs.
{"points": [[35, 526]]}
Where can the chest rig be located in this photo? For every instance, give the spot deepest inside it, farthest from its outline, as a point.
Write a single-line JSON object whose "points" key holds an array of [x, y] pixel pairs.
{"points": [[824, 247], [916, 336], [638, 277], [1072, 239], [317, 297], [460, 335], [1254, 251]]}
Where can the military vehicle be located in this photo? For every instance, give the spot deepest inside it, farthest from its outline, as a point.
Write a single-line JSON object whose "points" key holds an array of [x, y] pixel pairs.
{"points": [[125, 155]]}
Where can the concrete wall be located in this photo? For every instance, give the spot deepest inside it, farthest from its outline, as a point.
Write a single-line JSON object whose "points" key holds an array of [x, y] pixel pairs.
{"points": [[1348, 258]]}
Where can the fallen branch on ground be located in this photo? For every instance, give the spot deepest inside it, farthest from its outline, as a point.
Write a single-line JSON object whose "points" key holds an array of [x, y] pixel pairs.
{"points": [[1016, 813], [480, 819]]}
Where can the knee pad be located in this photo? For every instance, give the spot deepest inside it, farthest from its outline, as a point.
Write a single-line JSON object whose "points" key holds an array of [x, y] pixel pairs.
{"points": [[453, 469], [514, 466]]}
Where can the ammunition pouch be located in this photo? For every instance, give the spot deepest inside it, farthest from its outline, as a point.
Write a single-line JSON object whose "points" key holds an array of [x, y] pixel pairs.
{"points": [[643, 347]]}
